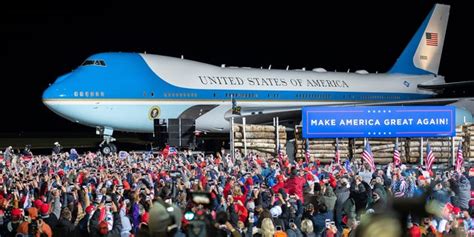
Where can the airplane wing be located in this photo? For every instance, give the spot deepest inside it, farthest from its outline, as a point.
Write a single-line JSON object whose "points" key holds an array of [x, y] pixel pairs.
{"points": [[447, 86], [292, 114]]}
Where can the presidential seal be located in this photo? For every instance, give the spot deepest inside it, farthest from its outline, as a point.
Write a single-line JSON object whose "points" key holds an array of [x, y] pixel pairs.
{"points": [[154, 112]]}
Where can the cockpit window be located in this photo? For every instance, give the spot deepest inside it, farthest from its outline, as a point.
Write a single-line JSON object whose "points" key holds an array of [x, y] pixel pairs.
{"points": [[89, 62]]}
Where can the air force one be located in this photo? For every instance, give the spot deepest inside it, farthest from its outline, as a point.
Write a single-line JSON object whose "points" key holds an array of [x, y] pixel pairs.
{"points": [[127, 91]]}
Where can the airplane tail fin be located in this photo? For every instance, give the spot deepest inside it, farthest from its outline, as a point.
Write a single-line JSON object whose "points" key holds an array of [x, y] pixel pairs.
{"points": [[423, 54]]}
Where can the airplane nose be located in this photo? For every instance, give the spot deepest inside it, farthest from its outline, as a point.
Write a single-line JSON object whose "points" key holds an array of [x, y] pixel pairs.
{"points": [[50, 93]]}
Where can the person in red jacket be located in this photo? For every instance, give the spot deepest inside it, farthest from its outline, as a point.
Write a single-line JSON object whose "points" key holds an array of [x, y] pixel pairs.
{"points": [[281, 183], [294, 185]]}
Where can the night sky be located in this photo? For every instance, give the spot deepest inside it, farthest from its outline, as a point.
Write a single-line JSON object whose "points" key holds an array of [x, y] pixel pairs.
{"points": [[39, 42]]}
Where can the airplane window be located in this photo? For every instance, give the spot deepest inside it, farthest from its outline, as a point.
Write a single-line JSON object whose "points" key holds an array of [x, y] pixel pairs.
{"points": [[152, 94], [94, 63], [81, 94], [76, 93], [88, 62], [87, 93], [97, 94], [102, 93]]}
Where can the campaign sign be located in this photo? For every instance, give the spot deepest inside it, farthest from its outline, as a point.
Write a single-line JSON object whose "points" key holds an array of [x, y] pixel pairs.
{"points": [[379, 121]]}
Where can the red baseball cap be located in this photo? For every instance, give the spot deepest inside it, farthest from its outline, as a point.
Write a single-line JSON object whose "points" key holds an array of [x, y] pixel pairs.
{"points": [[38, 203], [16, 212], [44, 209], [89, 209]]}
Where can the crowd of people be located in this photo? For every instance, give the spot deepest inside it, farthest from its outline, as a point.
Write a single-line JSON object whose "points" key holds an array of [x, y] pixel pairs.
{"points": [[157, 194]]}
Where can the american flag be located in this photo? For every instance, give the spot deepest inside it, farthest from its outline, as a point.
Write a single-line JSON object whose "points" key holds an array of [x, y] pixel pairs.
{"points": [[459, 158], [396, 155], [173, 150], [429, 157], [307, 155], [368, 156], [347, 166], [337, 156], [431, 39]]}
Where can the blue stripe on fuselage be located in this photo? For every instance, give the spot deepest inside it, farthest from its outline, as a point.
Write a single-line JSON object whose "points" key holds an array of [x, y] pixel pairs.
{"points": [[127, 76]]}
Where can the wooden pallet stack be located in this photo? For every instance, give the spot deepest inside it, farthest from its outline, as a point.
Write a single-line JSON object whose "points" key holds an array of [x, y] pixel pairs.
{"points": [[440, 146], [260, 139], [322, 149], [468, 145], [382, 148]]}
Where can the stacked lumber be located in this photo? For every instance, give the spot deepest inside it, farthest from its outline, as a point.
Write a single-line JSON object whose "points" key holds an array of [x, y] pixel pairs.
{"points": [[323, 150], [382, 148], [260, 139], [468, 145], [440, 146]]}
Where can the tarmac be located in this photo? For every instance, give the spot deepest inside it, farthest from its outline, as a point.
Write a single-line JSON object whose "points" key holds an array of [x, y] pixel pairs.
{"points": [[42, 143]]}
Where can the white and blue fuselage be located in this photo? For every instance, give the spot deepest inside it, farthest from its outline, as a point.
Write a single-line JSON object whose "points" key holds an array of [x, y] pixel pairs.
{"points": [[127, 91], [122, 92]]}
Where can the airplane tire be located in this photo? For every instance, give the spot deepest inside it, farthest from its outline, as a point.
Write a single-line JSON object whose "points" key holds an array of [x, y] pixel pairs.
{"points": [[113, 147], [106, 149]]}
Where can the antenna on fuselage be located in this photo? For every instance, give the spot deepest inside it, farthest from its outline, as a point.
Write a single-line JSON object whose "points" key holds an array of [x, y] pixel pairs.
{"points": [[270, 67], [348, 70], [287, 67], [223, 65], [144, 52], [182, 56]]}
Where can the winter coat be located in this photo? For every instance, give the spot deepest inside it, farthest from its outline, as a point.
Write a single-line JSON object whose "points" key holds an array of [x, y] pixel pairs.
{"points": [[342, 194], [319, 222], [329, 198], [359, 195], [94, 226], [64, 228], [462, 190], [349, 208], [51, 220], [24, 228], [294, 185]]}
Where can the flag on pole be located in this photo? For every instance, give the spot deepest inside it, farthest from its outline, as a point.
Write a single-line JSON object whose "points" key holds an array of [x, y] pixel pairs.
{"points": [[337, 156], [459, 158], [307, 155], [396, 155], [347, 166], [429, 157], [368, 156], [27, 202], [172, 150]]}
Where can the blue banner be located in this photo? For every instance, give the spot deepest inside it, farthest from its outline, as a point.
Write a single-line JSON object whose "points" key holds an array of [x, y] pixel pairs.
{"points": [[379, 121]]}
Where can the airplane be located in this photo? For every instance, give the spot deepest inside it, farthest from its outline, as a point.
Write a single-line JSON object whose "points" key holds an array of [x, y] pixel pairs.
{"points": [[128, 91]]}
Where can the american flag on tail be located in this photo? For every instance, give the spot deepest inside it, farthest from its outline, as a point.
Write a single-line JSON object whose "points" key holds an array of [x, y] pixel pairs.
{"points": [[396, 155], [429, 157], [368, 156], [459, 158], [307, 155]]}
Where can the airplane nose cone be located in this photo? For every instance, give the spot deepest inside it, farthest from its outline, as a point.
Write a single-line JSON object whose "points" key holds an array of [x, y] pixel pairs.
{"points": [[49, 93]]}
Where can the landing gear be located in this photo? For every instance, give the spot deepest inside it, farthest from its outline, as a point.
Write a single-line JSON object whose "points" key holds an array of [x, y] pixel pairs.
{"points": [[107, 149], [106, 146]]}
